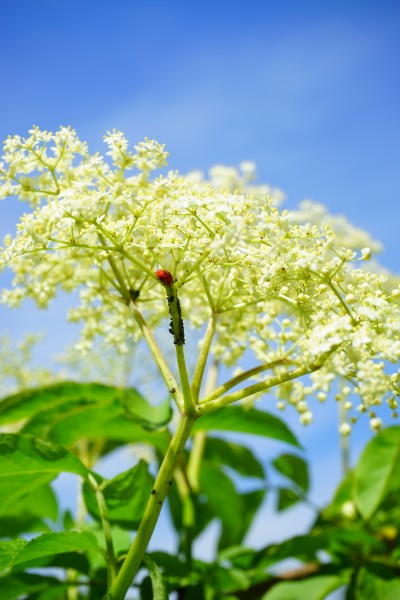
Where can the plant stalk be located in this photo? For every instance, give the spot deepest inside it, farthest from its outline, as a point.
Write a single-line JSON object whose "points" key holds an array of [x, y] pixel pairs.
{"points": [[162, 484], [203, 356], [159, 359]]}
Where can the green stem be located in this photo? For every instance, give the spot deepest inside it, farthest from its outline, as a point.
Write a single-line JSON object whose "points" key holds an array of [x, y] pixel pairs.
{"points": [[242, 377], [162, 484], [344, 440], [105, 234], [105, 523], [207, 405], [200, 437], [188, 405], [159, 359], [204, 352], [193, 268], [177, 330], [115, 269]]}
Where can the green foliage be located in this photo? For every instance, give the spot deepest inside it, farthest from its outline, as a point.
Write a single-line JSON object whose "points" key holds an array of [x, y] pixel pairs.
{"points": [[377, 582], [67, 412], [378, 471], [18, 551], [294, 468], [157, 580], [125, 495], [235, 456], [315, 588], [353, 543], [247, 420], [27, 463], [28, 513]]}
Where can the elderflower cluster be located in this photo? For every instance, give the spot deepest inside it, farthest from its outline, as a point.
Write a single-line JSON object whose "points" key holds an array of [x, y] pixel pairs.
{"points": [[292, 291]]}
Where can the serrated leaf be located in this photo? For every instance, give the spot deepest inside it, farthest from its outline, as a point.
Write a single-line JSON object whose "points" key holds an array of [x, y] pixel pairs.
{"points": [[294, 468], [32, 401], [253, 421], [126, 496], [378, 471], [157, 580], [18, 551], [287, 498], [235, 456], [27, 463], [315, 588], [65, 413], [9, 550]]}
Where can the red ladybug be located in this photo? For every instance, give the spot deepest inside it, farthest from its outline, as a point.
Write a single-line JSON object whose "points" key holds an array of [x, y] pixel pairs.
{"points": [[165, 277]]}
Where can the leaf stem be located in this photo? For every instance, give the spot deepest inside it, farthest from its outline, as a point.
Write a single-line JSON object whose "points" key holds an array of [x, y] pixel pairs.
{"points": [[105, 523], [242, 377], [210, 405], [162, 484], [203, 356], [200, 437]]}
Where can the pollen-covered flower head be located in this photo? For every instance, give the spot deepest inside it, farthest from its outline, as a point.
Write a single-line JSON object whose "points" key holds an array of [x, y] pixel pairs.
{"points": [[285, 287]]}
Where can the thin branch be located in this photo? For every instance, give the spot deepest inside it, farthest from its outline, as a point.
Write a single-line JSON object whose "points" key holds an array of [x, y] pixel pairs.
{"points": [[210, 405], [203, 356]]}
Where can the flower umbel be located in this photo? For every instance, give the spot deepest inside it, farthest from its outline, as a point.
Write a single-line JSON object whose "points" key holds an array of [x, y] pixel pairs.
{"points": [[275, 282]]}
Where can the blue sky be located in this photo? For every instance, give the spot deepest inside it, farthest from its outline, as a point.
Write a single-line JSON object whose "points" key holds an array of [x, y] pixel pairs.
{"points": [[308, 90]]}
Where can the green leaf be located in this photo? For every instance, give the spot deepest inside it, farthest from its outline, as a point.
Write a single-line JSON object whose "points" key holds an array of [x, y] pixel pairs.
{"points": [[18, 551], [65, 413], [26, 585], [65, 560], [33, 401], [157, 580], [222, 497], [294, 468], [225, 580], [302, 547], [81, 417], [250, 503], [287, 498], [26, 514], [151, 417], [27, 463], [342, 506], [126, 496], [68, 520], [378, 471], [8, 551], [253, 421], [235, 456], [315, 588], [377, 586]]}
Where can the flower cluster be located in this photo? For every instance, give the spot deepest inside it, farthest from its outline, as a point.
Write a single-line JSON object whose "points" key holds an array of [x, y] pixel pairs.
{"points": [[293, 291]]}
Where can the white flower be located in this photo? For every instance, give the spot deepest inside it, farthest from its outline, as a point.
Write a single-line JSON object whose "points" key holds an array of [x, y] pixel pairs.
{"points": [[283, 284], [375, 424], [345, 429]]}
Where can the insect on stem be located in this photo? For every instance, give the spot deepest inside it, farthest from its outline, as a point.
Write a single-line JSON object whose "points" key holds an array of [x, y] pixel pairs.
{"points": [[174, 307]]}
